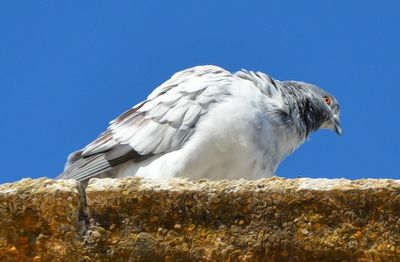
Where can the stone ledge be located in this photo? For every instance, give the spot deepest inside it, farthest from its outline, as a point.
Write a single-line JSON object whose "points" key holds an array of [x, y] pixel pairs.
{"points": [[180, 220], [39, 220]]}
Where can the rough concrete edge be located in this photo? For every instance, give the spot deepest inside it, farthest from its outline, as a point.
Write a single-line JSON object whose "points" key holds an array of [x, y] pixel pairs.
{"points": [[318, 184], [177, 184]]}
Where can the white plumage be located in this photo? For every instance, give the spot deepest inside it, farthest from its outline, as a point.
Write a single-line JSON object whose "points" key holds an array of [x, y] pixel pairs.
{"points": [[204, 122]]}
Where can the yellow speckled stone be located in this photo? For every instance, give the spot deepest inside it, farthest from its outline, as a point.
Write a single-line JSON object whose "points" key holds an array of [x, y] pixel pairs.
{"points": [[181, 220]]}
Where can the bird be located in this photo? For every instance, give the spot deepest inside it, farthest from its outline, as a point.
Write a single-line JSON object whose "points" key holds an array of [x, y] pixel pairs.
{"points": [[208, 123]]}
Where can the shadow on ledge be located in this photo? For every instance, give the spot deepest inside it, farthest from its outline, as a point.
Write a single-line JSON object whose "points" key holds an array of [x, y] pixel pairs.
{"points": [[181, 220]]}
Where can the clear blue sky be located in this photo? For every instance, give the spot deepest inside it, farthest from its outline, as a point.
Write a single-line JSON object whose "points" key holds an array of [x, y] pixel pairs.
{"points": [[69, 67]]}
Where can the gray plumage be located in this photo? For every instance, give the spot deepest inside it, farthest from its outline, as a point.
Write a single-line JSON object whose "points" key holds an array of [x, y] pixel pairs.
{"points": [[205, 122]]}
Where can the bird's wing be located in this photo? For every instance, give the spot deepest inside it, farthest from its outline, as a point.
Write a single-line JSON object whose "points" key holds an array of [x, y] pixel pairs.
{"points": [[160, 124]]}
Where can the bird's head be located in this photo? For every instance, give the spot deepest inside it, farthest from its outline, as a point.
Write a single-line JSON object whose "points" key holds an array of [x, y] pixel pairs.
{"points": [[333, 111], [317, 108]]}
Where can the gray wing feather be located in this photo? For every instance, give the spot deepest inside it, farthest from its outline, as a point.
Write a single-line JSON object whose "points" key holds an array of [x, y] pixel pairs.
{"points": [[99, 163], [72, 158], [166, 119], [160, 124], [193, 113], [87, 167]]}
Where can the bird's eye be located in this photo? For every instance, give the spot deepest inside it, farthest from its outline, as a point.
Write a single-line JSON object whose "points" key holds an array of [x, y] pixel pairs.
{"points": [[327, 100]]}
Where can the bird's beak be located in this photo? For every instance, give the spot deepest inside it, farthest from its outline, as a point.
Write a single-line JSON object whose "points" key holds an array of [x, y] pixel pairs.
{"points": [[336, 126]]}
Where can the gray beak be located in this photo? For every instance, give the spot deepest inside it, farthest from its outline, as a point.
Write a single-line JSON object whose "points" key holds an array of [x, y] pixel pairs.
{"points": [[337, 127]]}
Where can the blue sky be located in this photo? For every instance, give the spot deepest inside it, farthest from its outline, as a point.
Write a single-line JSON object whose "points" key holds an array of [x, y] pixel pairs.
{"points": [[69, 67]]}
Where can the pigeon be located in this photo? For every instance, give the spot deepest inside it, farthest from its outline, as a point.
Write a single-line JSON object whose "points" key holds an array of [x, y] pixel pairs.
{"points": [[205, 122]]}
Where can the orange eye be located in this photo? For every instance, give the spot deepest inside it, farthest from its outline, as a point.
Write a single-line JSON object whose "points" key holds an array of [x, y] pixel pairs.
{"points": [[327, 100]]}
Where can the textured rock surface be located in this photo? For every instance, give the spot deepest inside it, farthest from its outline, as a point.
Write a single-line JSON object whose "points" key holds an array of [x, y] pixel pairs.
{"points": [[180, 220], [39, 220]]}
